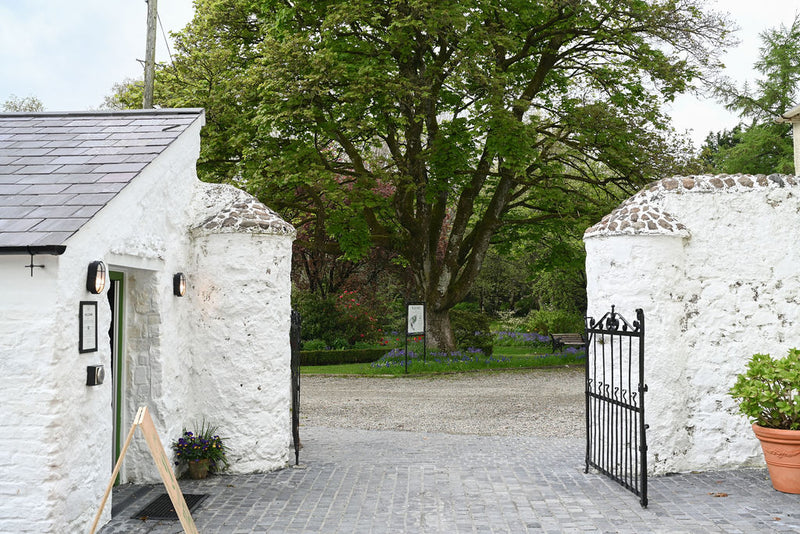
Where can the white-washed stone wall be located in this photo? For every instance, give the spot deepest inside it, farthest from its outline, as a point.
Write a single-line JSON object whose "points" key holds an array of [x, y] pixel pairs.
{"points": [[145, 224], [241, 372], [26, 349], [714, 268]]}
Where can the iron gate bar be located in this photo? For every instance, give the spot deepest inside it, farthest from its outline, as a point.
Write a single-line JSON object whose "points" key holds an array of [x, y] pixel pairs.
{"points": [[616, 443], [294, 342]]}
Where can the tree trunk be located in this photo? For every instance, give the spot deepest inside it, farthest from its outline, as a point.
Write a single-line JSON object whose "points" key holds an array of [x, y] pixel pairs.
{"points": [[438, 330]]}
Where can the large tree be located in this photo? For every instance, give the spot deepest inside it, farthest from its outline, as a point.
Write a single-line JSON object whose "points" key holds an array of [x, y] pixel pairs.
{"points": [[760, 145], [425, 127]]}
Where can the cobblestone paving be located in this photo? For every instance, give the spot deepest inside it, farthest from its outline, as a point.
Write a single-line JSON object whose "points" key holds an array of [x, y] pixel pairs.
{"points": [[367, 481]]}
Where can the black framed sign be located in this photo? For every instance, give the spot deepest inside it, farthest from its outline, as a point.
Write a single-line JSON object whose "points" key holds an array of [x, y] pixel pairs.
{"points": [[87, 319], [416, 318]]}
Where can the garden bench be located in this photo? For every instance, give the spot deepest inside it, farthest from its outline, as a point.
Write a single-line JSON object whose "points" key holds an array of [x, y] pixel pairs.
{"points": [[561, 341]]}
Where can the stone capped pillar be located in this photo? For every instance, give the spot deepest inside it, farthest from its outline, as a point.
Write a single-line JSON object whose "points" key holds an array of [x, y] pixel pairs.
{"points": [[241, 288]]}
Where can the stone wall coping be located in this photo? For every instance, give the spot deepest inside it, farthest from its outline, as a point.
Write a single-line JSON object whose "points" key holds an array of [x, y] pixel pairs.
{"points": [[640, 214], [235, 211]]}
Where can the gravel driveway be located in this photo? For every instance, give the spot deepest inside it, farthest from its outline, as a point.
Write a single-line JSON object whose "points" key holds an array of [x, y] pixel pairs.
{"points": [[543, 402]]}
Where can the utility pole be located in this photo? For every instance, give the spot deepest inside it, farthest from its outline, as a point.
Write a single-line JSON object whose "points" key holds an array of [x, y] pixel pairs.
{"points": [[150, 54]]}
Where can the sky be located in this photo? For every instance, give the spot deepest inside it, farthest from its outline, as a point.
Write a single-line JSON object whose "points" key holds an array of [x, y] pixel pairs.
{"points": [[70, 53]]}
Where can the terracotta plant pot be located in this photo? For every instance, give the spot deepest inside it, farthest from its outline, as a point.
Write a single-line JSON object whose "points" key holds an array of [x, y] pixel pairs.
{"points": [[199, 469], [782, 453]]}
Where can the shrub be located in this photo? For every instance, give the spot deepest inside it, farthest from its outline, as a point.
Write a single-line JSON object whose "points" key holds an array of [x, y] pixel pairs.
{"points": [[338, 321], [315, 344], [472, 330], [555, 321], [769, 391]]}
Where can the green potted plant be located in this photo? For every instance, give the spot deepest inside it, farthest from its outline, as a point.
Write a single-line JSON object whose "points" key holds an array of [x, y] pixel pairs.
{"points": [[768, 393], [201, 451]]}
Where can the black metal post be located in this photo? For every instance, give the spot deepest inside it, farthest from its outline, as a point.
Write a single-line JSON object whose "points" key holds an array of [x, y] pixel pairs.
{"points": [[294, 342]]}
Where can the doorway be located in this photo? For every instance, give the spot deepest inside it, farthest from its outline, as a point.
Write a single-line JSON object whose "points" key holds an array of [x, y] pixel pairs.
{"points": [[116, 301]]}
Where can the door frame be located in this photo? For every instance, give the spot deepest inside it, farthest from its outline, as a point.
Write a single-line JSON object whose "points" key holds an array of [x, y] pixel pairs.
{"points": [[117, 342]]}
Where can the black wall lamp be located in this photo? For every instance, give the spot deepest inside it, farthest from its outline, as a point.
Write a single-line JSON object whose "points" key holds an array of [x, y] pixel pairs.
{"points": [[96, 277], [179, 284]]}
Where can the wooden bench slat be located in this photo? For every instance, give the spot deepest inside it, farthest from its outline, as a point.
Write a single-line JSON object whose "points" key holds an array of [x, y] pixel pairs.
{"points": [[567, 339]]}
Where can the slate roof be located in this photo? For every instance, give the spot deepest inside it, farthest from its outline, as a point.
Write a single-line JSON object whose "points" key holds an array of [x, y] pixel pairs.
{"points": [[57, 170]]}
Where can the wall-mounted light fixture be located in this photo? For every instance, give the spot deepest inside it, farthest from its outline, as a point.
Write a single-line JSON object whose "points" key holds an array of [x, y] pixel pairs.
{"points": [[96, 277], [95, 375], [179, 284]]}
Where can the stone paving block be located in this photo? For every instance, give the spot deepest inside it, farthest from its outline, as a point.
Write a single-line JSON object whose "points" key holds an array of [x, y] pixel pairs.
{"points": [[387, 481]]}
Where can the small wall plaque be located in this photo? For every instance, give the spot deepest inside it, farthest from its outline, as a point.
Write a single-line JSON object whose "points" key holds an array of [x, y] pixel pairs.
{"points": [[87, 319]]}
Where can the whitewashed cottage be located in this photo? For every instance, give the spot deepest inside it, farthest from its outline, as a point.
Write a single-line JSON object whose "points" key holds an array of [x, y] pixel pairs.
{"points": [[192, 320]]}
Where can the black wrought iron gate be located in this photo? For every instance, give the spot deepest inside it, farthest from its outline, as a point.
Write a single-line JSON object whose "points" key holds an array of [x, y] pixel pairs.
{"points": [[616, 443], [294, 341]]}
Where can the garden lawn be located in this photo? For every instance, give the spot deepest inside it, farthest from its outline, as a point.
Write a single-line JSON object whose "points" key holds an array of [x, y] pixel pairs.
{"points": [[504, 357]]}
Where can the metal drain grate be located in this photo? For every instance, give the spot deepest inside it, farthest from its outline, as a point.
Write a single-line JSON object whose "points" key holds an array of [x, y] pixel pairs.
{"points": [[161, 507]]}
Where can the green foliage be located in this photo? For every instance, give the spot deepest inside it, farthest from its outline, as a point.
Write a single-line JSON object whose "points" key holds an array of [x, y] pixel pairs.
{"points": [[555, 321], [472, 330], [315, 344], [26, 104], [424, 128], [204, 444], [511, 358], [339, 321], [762, 146], [768, 393], [337, 357]]}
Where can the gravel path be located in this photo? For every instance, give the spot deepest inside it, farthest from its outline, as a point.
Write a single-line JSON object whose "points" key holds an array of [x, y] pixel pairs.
{"points": [[545, 402]]}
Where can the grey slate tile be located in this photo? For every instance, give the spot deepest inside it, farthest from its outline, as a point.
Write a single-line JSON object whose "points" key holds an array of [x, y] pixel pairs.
{"points": [[74, 178], [18, 239], [17, 200], [60, 225], [72, 143], [45, 189], [88, 143], [50, 238], [108, 158], [45, 212], [85, 168], [39, 178], [99, 199], [33, 160], [120, 167], [72, 159], [19, 152], [16, 212], [18, 225], [86, 211], [47, 200], [99, 187], [39, 169], [12, 189], [29, 144], [118, 177]]}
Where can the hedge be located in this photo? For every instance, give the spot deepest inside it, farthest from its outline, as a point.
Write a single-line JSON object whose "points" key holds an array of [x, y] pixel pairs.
{"points": [[336, 357]]}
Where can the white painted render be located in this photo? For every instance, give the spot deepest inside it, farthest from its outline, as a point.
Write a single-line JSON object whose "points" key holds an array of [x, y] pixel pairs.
{"points": [[221, 353], [718, 284]]}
